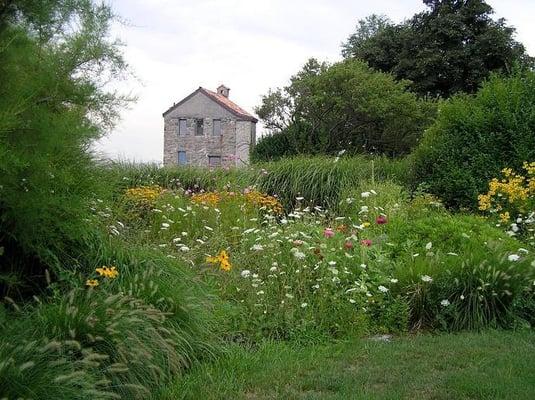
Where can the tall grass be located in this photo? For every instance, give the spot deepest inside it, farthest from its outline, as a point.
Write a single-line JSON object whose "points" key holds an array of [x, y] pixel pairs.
{"points": [[320, 180]]}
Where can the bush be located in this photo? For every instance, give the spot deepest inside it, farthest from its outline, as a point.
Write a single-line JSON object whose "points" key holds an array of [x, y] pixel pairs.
{"points": [[475, 137], [273, 147], [458, 272]]}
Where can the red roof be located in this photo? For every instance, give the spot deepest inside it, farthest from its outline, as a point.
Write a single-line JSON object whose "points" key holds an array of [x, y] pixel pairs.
{"points": [[222, 101]]}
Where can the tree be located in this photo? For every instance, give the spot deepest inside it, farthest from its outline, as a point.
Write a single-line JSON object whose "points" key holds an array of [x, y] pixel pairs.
{"points": [[55, 60], [453, 46], [344, 106]]}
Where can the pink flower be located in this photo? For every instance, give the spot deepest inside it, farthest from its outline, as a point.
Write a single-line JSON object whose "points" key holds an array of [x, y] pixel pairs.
{"points": [[381, 220], [298, 242], [366, 242], [348, 245], [328, 233]]}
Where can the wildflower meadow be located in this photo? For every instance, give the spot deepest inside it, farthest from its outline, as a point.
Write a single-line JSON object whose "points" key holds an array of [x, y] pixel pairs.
{"points": [[380, 244]]}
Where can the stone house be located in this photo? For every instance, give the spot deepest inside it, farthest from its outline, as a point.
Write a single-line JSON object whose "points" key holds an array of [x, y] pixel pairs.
{"points": [[207, 129]]}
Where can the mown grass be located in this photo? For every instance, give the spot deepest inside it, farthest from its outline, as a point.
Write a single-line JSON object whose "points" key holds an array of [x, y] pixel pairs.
{"points": [[489, 365]]}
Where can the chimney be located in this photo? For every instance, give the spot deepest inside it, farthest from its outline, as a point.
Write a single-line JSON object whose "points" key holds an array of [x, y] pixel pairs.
{"points": [[223, 90]]}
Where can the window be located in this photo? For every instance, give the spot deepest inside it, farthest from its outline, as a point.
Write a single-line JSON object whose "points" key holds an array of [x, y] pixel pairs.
{"points": [[182, 160], [182, 127], [216, 128], [214, 161], [199, 127]]}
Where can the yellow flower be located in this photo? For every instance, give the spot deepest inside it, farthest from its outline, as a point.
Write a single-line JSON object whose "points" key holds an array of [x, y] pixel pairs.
{"points": [[222, 259], [91, 282], [144, 196], [108, 272], [366, 224], [505, 217]]}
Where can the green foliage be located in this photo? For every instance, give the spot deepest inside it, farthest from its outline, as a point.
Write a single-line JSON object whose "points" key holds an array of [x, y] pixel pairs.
{"points": [[344, 106], [273, 147], [322, 181], [451, 47], [122, 339], [473, 283], [52, 106], [474, 137]]}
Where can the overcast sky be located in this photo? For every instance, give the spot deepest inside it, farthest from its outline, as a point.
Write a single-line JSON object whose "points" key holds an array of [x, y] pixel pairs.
{"points": [[175, 46]]}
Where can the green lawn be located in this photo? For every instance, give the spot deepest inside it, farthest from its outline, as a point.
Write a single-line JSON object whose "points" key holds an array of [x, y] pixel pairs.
{"points": [[491, 365]]}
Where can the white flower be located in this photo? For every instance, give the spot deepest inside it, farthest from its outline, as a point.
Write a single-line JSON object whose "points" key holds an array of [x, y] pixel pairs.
{"points": [[428, 246], [383, 289], [184, 248], [284, 221], [519, 220], [184, 233], [257, 247], [373, 191], [364, 209], [290, 296], [341, 152], [336, 279], [260, 293], [445, 303], [394, 280], [515, 228], [365, 194], [513, 257], [332, 263], [299, 255], [245, 273], [208, 228], [272, 269], [427, 278], [165, 225], [349, 200], [352, 301], [299, 198], [316, 286], [303, 305], [363, 266], [461, 296]]}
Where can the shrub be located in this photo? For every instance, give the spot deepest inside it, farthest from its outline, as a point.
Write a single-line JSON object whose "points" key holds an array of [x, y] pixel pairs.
{"points": [[457, 271], [273, 147], [475, 137]]}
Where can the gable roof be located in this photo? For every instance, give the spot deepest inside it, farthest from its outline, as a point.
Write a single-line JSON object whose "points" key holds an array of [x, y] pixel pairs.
{"points": [[219, 99]]}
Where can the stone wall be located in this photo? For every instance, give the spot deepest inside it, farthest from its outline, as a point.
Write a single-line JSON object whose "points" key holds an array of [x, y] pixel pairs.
{"points": [[245, 131], [232, 145]]}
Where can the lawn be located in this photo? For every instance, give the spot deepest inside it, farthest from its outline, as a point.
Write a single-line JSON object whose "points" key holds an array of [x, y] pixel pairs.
{"points": [[490, 365]]}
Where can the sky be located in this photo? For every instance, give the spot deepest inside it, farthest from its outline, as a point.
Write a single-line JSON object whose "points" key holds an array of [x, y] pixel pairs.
{"points": [[175, 46]]}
